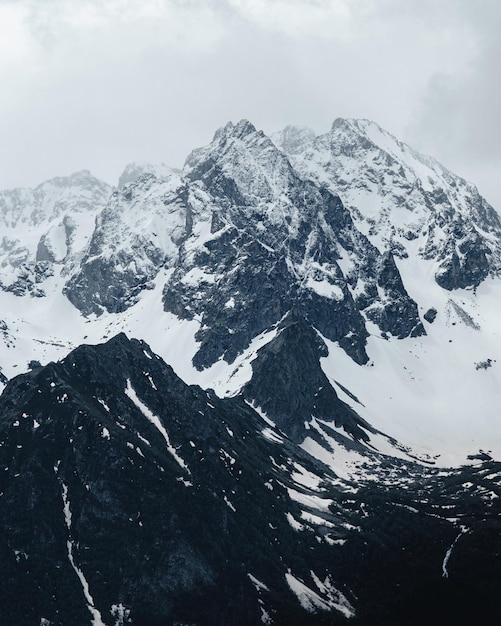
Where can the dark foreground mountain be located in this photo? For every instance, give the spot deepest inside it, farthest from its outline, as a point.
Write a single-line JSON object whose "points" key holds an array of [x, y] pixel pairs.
{"points": [[129, 497]]}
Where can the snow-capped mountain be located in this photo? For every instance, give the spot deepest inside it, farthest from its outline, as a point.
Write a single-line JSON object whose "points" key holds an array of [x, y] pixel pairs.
{"points": [[46, 226], [134, 170], [347, 262], [397, 196], [136, 234], [314, 342]]}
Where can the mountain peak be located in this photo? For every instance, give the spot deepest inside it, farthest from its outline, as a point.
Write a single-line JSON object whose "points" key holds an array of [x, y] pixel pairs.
{"points": [[81, 178], [138, 168], [239, 130], [396, 195], [294, 139]]}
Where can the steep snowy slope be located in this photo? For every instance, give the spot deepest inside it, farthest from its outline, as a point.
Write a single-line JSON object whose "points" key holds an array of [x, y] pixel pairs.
{"points": [[446, 240]]}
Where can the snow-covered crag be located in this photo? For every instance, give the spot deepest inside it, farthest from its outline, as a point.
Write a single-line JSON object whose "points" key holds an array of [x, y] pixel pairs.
{"points": [[46, 226], [396, 195], [264, 241], [247, 239], [137, 233]]}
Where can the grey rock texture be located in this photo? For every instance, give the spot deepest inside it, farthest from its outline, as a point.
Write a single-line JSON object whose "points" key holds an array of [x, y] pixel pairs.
{"points": [[276, 242], [396, 195]]}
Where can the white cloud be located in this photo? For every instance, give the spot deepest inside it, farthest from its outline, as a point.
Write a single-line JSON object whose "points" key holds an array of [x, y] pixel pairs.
{"points": [[15, 40], [458, 117], [181, 25], [302, 18]]}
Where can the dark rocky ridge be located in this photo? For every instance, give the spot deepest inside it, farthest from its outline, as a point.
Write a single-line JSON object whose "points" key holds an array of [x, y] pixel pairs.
{"points": [[148, 534], [163, 542], [289, 385], [279, 235]]}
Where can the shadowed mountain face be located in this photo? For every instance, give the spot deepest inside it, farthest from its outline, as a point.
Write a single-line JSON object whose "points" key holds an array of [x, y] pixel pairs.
{"points": [[161, 498], [292, 361], [130, 497], [276, 241]]}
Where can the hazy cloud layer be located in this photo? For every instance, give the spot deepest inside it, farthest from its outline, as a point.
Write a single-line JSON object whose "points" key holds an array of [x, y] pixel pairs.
{"points": [[459, 113], [95, 84]]}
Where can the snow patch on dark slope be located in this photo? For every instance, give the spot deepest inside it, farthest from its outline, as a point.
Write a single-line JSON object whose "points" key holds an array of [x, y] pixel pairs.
{"points": [[98, 516], [194, 511]]}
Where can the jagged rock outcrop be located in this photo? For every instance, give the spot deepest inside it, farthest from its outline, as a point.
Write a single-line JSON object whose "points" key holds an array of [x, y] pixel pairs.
{"points": [[292, 361], [396, 196], [275, 242], [46, 226], [136, 234]]}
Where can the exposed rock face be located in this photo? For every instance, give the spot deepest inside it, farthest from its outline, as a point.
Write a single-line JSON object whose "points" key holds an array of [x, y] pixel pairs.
{"points": [[276, 242], [430, 315], [291, 361], [249, 230], [136, 235], [247, 239]]}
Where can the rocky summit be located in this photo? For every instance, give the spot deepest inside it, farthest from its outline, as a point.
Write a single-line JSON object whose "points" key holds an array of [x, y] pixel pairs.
{"points": [[263, 388]]}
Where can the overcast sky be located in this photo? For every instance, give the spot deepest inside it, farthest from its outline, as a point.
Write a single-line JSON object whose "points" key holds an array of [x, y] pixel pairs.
{"points": [[95, 84]]}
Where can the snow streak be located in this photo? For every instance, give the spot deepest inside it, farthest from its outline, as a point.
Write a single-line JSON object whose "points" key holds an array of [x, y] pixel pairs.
{"points": [[155, 420], [96, 615], [445, 573], [311, 601]]}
